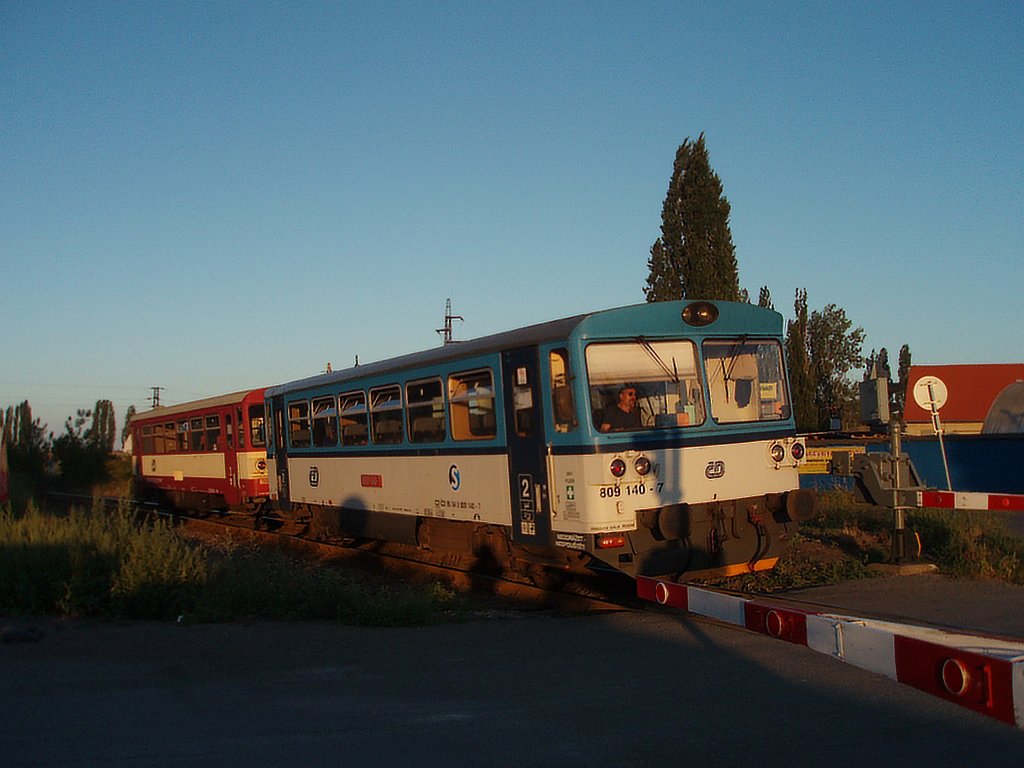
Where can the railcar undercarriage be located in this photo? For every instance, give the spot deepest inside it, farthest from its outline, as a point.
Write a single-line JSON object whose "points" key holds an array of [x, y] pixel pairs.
{"points": [[720, 538], [683, 541]]}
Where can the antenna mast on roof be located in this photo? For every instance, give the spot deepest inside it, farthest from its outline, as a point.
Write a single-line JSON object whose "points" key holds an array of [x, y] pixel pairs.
{"points": [[156, 396], [446, 332]]}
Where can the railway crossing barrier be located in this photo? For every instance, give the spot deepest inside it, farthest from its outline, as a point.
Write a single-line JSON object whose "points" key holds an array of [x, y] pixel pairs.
{"points": [[981, 673], [984, 674], [890, 480]]}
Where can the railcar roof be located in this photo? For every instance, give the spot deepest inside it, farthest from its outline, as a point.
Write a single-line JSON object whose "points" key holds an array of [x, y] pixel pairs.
{"points": [[194, 405], [627, 321], [521, 337]]}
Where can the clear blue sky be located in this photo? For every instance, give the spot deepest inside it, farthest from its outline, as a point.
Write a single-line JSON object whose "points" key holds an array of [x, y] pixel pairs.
{"points": [[213, 196]]}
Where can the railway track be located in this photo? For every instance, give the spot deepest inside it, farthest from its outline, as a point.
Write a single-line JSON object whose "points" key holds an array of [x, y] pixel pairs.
{"points": [[600, 595], [402, 562]]}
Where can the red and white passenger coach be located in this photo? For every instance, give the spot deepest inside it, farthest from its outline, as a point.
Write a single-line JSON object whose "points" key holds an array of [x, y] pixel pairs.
{"points": [[206, 454]]}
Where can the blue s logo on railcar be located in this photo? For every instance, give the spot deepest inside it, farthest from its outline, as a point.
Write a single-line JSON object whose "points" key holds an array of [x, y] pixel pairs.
{"points": [[714, 470], [454, 477]]}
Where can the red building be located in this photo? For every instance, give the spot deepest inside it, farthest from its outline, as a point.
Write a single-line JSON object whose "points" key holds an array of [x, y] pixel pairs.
{"points": [[971, 392]]}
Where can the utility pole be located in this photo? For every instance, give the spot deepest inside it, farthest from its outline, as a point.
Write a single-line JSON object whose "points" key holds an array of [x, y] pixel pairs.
{"points": [[156, 396], [446, 332]]}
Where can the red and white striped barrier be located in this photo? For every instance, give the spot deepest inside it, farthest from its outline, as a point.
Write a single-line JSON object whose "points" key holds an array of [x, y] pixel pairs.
{"points": [[980, 673], [993, 502]]}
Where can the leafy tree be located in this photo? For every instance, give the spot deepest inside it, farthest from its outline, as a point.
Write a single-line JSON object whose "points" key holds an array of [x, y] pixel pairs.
{"points": [[694, 257], [822, 349], [82, 461], [800, 378], [764, 299], [834, 349], [127, 423]]}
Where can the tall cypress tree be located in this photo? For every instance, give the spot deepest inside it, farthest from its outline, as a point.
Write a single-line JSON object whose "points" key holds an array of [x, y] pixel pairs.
{"points": [[104, 428], [900, 390], [694, 257]]}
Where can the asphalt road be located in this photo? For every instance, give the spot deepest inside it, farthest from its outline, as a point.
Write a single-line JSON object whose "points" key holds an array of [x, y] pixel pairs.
{"points": [[639, 689]]}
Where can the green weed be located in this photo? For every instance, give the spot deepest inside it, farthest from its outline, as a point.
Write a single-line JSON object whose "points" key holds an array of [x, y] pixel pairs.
{"points": [[105, 564], [845, 537]]}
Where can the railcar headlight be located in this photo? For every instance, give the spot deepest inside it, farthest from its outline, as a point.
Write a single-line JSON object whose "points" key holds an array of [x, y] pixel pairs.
{"points": [[642, 465], [798, 451], [778, 453], [700, 313], [618, 468]]}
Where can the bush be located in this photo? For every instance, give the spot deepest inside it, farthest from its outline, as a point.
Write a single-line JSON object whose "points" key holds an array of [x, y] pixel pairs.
{"points": [[970, 544], [846, 536], [94, 563], [115, 564]]}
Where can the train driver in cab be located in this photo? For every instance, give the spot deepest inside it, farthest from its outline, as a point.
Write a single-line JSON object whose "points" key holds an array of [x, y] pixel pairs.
{"points": [[624, 414]]}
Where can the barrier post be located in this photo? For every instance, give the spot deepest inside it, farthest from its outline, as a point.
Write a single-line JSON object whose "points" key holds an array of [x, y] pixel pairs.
{"points": [[899, 517]]}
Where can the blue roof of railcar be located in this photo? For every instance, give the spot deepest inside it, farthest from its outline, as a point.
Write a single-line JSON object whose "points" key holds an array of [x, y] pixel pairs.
{"points": [[621, 322]]}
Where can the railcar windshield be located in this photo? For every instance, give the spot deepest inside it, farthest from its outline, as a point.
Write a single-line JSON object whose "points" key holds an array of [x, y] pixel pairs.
{"points": [[746, 380], [644, 384]]}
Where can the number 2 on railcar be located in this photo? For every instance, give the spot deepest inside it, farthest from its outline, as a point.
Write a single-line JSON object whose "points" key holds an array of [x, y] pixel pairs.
{"points": [[653, 439]]}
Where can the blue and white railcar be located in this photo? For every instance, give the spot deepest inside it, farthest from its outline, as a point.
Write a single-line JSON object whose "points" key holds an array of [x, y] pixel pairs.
{"points": [[656, 439]]}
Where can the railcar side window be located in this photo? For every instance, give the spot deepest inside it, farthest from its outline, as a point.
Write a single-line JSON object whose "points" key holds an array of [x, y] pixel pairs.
{"points": [[644, 384], [182, 435], [168, 438], [298, 424], [147, 440], [212, 432], [746, 380], [386, 414], [425, 404], [563, 408], [522, 402], [257, 421], [325, 422], [353, 419], [198, 437], [471, 399], [229, 430]]}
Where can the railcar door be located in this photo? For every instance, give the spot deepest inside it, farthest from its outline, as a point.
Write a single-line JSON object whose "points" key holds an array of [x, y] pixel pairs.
{"points": [[284, 501], [528, 482], [226, 441]]}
